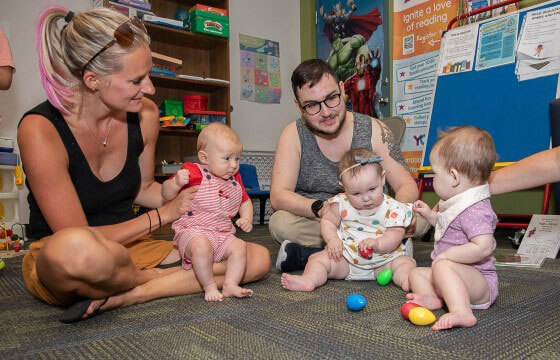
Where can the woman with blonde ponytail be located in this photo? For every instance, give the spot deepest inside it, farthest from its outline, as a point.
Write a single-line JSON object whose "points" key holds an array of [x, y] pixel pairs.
{"points": [[88, 154]]}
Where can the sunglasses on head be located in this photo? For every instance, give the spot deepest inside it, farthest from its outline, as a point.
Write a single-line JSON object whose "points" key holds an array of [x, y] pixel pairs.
{"points": [[123, 35]]}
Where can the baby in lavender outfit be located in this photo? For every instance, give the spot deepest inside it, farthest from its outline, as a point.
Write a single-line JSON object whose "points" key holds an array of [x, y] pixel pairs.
{"points": [[462, 275]]}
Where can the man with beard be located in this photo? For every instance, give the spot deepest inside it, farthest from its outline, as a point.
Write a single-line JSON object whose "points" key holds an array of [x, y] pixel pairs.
{"points": [[307, 154]]}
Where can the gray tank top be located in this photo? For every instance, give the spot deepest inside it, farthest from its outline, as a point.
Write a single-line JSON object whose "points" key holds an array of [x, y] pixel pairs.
{"points": [[318, 176]]}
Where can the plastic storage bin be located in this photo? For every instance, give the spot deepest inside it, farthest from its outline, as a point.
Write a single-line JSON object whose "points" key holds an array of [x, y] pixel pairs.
{"points": [[205, 117], [209, 9], [9, 209], [8, 181], [194, 102], [206, 23], [6, 144]]}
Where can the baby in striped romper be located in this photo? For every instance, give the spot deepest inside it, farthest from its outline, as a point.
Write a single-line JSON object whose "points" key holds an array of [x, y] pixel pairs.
{"points": [[205, 233]]}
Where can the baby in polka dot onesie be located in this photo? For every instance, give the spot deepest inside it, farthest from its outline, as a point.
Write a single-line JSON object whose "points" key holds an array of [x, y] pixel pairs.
{"points": [[363, 229], [462, 275], [205, 233]]}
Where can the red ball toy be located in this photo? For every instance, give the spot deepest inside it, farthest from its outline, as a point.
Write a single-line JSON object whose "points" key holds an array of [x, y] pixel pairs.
{"points": [[405, 309], [366, 253]]}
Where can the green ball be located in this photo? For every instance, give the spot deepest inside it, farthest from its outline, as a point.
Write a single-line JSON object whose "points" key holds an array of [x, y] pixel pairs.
{"points": [[2, 264], [384, 277]]}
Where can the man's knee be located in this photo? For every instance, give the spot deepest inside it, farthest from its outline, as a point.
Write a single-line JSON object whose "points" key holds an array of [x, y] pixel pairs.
{"points": [[422, 227], [279, 226], [287, 226]]}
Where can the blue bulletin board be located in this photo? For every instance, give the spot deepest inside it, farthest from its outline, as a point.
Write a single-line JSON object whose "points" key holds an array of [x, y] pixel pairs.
{"points": [[515, 113]]}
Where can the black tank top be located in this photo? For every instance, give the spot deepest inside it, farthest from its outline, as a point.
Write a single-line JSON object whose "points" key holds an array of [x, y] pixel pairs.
{"points": [[104, 203]]}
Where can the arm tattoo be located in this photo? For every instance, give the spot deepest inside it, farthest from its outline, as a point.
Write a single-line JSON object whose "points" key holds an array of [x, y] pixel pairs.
{"points": [[394, 148]]}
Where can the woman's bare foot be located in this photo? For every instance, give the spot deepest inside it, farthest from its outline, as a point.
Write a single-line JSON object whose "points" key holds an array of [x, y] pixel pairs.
{"points": [[230, 290], [451, 320], [430, 302], [296, 283], [211, 293]]}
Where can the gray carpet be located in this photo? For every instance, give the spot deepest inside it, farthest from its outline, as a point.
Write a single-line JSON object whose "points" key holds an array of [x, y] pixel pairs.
{"points": [[278, 324]]}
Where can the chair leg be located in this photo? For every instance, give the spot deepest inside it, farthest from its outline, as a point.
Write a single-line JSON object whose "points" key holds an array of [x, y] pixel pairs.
{"points": [[263, 206]]}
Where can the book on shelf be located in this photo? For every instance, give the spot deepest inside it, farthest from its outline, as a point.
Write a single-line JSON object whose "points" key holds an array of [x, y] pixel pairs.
{"points": [[190, 77], [165, 70], [176, 24], [126, 10], [517, 260], [166, 60], [140, 4]]}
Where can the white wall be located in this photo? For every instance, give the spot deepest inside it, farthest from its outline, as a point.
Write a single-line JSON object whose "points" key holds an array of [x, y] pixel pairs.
{"points": [[18, 19], [259, 125]]}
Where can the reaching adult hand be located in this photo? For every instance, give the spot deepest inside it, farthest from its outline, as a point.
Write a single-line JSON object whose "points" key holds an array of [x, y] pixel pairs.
{"points": [[173, 210]]}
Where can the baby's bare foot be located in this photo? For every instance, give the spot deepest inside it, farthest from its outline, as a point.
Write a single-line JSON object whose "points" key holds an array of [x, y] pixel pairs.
{"points": [[296, 283], [451, 320], [430, 302], [405, 285], [211, 293], [230, 290]]}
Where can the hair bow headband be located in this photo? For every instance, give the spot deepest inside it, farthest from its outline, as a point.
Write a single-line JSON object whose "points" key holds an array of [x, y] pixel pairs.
{"points": [[367, 160], [361, 161]]}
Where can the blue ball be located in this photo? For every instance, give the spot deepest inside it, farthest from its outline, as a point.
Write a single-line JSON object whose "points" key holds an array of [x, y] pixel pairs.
{"points": [[356, 302]]}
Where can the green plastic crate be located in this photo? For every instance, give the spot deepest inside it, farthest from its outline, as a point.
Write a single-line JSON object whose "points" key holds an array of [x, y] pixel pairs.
{"points": [[211, 24], [172, 108]]}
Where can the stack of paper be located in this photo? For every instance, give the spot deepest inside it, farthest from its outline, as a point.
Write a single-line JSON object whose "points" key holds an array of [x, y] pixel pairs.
{"points": [[541, 241], [538, 51]]}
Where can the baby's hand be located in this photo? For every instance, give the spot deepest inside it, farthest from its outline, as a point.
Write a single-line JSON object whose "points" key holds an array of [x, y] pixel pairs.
{"points": [[182, 177], [244, 224], [334, 249], [421, 208], [369, 243]]}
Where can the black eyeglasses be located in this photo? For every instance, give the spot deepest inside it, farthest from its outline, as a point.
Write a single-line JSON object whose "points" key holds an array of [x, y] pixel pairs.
{"points": [[314, 107], [123, 35]]}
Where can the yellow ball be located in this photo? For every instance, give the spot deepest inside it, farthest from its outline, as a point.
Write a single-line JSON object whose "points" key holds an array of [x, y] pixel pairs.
{"points": [[421, 316]]}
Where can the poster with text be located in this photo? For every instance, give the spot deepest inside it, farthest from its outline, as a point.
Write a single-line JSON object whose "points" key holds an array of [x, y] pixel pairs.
{"points": [[350, 38], [260, 70], [418, 26]]}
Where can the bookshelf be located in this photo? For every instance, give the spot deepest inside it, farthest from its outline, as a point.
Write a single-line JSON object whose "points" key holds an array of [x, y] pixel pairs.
{"points": [[203, 56]]}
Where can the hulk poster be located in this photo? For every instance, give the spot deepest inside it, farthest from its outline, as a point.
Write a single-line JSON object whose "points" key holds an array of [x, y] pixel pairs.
{"points": [[350, 38]]}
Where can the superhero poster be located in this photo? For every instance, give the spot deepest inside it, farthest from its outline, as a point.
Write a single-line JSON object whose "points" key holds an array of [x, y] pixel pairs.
{"points": [[350, 38]]}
